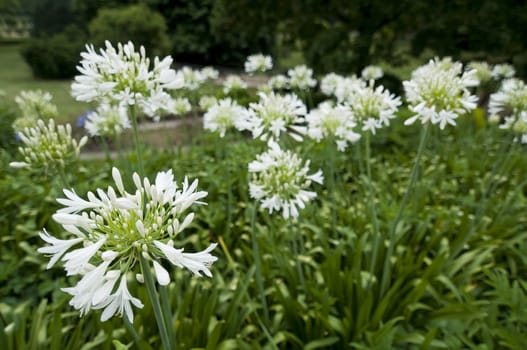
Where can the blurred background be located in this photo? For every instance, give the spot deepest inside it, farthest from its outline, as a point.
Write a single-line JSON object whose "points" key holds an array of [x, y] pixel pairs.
{"points": [[334, 35]]}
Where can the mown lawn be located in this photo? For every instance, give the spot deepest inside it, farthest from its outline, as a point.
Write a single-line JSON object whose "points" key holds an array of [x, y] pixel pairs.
{"points": [[15, 76]]}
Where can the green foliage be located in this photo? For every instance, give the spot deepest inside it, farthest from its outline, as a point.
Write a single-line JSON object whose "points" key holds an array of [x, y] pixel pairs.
{"points": [[7, 134], [55, 57], [136, 23]]}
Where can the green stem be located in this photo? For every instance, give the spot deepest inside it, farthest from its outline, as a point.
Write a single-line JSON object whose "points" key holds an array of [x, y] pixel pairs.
{"points": [[106, 149], [373, 208], [386, 272], [154, 299], [136, 142], [64, 178], [330, 158], [296, 253], [256, 256], [130, 328], [167, 312]]}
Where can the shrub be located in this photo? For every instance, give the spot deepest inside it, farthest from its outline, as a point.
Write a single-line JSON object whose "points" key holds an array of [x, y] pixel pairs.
{"points": [[136, 23], [56, 56]]}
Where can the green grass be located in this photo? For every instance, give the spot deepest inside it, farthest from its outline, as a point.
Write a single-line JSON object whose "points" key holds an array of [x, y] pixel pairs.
{"points": [[15, 76]]}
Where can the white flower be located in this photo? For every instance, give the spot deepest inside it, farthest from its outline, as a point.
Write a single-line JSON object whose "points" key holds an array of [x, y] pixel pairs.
{"points": [[275, 114], [210, 73], [117, 228], [329, 84], [86, 289], [372, 107], [337, 122], [107, 120], [438, 92], [278, 82], [34, 105], [483, 71], [372, 73], [123, 76], [57, 248], [233, 83], [503, 71], [258, 63], [280, 181], [180, 106], [193, 78], [195, 262], [120, 302], [48, 146], [301, 77], [510, 102], [78, 259], [347, 87], [223, 115]]}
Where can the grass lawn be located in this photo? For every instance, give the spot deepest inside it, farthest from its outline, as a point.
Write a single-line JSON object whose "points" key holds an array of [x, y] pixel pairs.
{"points": [[15, 76]]}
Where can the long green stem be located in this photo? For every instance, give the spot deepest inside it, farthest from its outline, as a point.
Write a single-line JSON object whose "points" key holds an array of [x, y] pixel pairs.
{"points": [[154, 299], [167, 312], [136, 141], [64, 177], [330, 158], [386, 271], [256, 256], [106, 149], [296, 253], [373, 209]]}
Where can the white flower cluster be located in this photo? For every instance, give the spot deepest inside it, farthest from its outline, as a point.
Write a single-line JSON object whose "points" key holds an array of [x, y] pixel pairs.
{"points": [[48, 146], [337, 122], [181, 106], [192, 79], [210, 73], [34, 105], [117, 228], [301, 77], [438, 92], [258, 63], [223, 115], [233, 83], [510, 102], [280, 181], [275, 114], [373, 107], [278, 82], [483, 71], [372, 73], [503, 71], [107, 120], [123, 76]]}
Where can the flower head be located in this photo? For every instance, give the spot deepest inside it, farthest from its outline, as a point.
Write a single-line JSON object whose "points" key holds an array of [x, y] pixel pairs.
{"points": [[180, 106], [510, 103], [34, 105], [107, 120], [280, 181], [209, 73], [278, 82], [116, 228], [372, 73], [329, 83], [48, 146], [372, 107], [205, 102], [123, 76], [336, 122], [438, 92], [192, 79], [301, 77], [223, 115], [258, 63], [275, 114], [233, 83], [503, 71], [483, 71]]}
